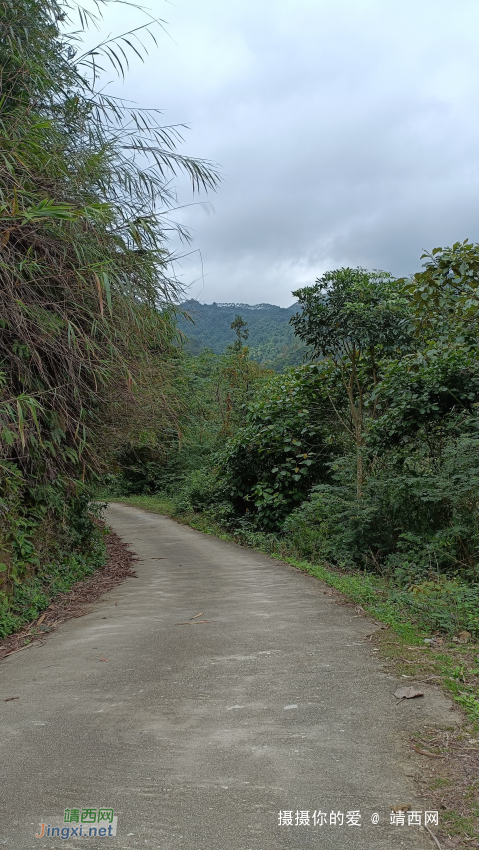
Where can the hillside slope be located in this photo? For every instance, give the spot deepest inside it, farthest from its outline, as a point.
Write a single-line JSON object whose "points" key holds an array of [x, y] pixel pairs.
{"points": [[271, 339]]}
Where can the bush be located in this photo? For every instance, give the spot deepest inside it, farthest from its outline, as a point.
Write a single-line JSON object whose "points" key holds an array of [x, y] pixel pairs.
{"points": [[269, 465], [87, 330], [442, 605], [412, 525], [51, 549], [197, 491]]}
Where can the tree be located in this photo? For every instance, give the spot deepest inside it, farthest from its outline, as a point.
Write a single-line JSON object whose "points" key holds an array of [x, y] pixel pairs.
{"points": [[86, 282], [444, 296], [85, 261], [240, 327], [353, 318], [280, 449], [237, 377]]}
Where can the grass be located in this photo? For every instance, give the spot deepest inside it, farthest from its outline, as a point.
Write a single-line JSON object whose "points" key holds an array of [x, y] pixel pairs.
{"points": [[459, 824], [34, 594], [155, 504]]}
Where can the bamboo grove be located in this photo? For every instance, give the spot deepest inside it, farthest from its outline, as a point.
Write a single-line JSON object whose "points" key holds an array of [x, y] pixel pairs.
{"points": [[87, 336]]}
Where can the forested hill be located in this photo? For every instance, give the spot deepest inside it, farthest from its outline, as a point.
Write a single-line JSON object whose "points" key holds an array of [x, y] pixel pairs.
{"points": [[271, 338]]}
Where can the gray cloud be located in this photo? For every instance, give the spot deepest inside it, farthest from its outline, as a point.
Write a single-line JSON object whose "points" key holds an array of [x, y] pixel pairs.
{"points": [[347, 132]]}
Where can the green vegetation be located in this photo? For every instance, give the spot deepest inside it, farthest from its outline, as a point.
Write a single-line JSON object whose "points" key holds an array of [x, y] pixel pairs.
{"points": [[87, 339], [365, 459], [271, 338], [359, 465], [69, 557]]}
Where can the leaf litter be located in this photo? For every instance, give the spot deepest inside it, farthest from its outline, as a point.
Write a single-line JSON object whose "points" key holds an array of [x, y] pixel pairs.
{"points": [[71, 604]]}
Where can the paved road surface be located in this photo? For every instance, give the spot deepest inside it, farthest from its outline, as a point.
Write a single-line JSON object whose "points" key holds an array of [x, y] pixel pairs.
{"points": [[197, 736]]}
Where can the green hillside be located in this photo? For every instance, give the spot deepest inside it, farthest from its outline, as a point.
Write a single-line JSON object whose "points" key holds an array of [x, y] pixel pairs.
{"points": [[271, 338]]}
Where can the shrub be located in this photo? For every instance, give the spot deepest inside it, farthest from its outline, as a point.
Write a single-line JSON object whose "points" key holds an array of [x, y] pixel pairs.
{"points": [[412, 524], [269, 465]]}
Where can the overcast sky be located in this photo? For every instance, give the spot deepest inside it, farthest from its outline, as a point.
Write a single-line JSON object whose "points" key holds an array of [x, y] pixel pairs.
{"points": [[347, 132]]}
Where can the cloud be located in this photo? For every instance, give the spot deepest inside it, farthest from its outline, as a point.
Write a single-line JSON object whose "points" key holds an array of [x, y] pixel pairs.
{"points": [[347, 132]]}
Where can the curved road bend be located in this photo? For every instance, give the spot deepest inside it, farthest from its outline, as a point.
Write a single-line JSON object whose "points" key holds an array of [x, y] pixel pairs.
{"points": [[198, 736]]}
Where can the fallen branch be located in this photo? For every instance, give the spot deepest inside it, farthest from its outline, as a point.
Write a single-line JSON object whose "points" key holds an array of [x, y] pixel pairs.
{"points": [[433, 836], [431, 755]]}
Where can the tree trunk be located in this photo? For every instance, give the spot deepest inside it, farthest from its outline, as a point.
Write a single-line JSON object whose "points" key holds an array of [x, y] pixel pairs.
{"points": [[359, 471]]}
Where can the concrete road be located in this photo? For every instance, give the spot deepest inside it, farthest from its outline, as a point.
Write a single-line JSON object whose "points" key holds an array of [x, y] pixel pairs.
{"points": [[198, 736]]}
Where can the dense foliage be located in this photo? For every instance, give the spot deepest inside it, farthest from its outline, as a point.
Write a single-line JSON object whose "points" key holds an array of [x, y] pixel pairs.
{"points": [[283, 447], [365, 457], [368, 458], [87, 340], [271, 338], [212, 392]]}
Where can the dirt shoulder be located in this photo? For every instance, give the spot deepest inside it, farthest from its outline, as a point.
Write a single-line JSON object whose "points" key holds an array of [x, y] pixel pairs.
{"points": [[72, 604], [447, 759]]}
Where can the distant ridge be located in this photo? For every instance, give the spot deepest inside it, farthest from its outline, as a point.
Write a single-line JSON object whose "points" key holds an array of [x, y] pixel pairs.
{"points": [[242, 306], [271, 339]]}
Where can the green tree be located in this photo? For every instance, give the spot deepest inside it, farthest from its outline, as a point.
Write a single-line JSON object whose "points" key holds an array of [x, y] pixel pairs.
{"points": [[85, 261], [85, 277], [444, 296], [240, 327], [282, 447], [237, 378], [353, 318]]}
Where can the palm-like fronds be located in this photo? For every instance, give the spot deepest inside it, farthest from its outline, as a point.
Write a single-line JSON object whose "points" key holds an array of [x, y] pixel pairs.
{"points": [[85, 267]]}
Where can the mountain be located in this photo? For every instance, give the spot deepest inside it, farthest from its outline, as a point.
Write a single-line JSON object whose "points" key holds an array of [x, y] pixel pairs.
{"points": [[271, 339]]}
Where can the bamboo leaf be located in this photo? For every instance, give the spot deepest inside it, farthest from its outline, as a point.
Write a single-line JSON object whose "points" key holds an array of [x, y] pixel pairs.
{"points": [[100, 296]]}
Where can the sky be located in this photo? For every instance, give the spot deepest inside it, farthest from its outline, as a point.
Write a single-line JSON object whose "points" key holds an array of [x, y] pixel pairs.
{"points": [[346, 131]]}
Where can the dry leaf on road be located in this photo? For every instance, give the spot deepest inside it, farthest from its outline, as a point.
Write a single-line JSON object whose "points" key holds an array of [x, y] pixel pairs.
{"points": [[408, 693]]}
